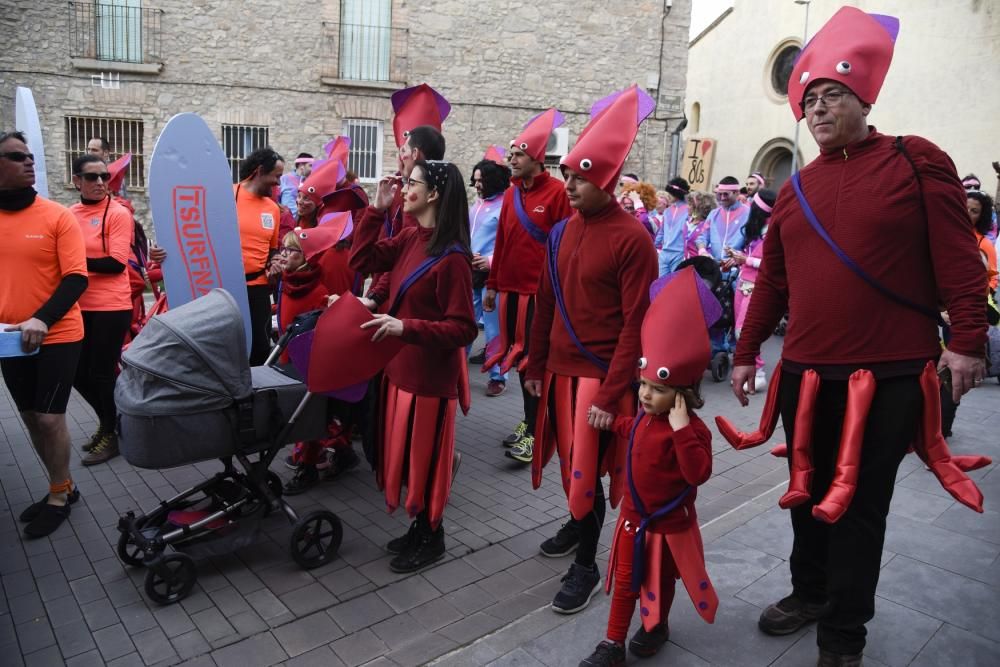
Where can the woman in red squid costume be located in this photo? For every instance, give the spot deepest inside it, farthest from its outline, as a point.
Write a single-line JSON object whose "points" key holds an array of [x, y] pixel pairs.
{"points": [[430, 297]]}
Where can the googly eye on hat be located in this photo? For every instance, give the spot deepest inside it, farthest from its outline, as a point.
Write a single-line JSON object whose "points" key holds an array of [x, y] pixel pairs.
{"points": [[524, 146], [663, 372], [642, 362], [843, 67], [586, 164]]}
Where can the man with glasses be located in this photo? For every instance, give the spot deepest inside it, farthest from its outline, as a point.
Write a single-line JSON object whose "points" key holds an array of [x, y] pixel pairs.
{"points": [[43, 273], [859, 362], [725, 223]]}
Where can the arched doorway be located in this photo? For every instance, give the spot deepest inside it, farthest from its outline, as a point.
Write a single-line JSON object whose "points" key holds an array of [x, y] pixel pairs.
{"points": [[774, 161]]}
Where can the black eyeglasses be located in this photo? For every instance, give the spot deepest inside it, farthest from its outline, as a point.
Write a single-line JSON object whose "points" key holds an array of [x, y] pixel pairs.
{"points": [[829, 99], [410, 182], [18, 156], [93, 177], [288, 251]]}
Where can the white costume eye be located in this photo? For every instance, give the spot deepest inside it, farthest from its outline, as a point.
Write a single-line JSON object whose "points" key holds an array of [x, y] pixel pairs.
{"points": [[512, 144], [642, 362], [843, 67], [406, 133], [303, 235], [663, 372], [803, 77], [524, 146], [586, 164], [311, 190]]}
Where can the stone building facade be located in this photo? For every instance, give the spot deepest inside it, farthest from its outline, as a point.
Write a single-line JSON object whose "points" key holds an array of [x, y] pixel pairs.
{"points": [[942, 83], [302, 69]]}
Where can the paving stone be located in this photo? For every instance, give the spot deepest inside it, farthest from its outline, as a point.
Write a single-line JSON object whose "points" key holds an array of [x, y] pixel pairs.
{"points": [[18, 583], [46, 657], [41, 565], [308, 599], [398, 630], [516, 607], [154, 646], [307, 633], [436, 614], [955, 647], [190, 644], [266, 604], [409, 593], [452, 576], [173, 619], [359, 647], [944, 548], [122, 592], [87, 589], [318, 657], [35, 635], [99, 614], [136, 617], [733, 566], [26, 607], [420, 651], [247, 623], [470, 599], [516, 658], [212, 624], [533, 571], [360, 612], [113, 642], [53, 586], [75, 566], [260, 651], [89, 659], [471, 627], [74, 638], [492, 559], [131, 660]]}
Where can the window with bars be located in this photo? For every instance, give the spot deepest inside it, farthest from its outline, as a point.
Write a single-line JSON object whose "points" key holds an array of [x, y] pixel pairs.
{"points": [[365, 39], [365, 157], [238, 141], [124, 135]]}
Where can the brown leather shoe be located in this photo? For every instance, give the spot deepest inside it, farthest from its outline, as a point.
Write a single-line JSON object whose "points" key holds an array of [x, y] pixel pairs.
{"points": [[105, 450], [828, 659], [789, 615]]}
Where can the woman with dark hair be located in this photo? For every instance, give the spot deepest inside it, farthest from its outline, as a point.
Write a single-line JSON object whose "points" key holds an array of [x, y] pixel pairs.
{"points": [[430, 292], [490, 180], [748, 263], [107, 303], [980, 207]]}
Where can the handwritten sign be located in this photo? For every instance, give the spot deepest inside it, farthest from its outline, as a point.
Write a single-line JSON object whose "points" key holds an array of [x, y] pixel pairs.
{"points": [[696, 166]]}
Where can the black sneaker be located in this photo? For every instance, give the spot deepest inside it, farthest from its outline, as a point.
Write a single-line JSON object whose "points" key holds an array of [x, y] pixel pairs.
{"points": [[341, 460], [788, 615], [305, 478], [31, 511], [565, 541], [607, 654], [579, 586], [49, 518], [400, 544], [479, 357], [426, 548], [646, 644]]}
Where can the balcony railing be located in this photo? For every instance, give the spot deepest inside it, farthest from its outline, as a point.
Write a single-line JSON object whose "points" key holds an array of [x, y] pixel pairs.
{"points": [[115, 31], [365, 52]]}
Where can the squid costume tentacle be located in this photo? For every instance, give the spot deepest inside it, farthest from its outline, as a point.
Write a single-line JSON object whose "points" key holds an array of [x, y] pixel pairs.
{"points": [[768, 419], [929, 445], [565, 430], [418, 441], [511, 353]]}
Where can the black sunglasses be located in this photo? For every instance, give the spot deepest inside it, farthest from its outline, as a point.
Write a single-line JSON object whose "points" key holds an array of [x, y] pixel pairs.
{"points": [[93, 177], [18, 156]]}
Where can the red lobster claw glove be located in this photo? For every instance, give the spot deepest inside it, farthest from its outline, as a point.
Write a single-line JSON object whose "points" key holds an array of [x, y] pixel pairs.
{"points": [[768, 419], [933, 450]]}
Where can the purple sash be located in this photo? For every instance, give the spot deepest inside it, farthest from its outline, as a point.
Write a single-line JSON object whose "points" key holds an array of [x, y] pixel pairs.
{"points": [[417, 274], [555, 238], [639, 547], [851, 264], [522, 217]]}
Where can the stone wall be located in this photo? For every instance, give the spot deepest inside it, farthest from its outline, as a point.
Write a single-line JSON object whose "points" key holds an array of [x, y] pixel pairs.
{"points": [[274, 64]]}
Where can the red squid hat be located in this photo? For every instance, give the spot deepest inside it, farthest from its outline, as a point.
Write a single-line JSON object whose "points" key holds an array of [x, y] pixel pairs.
{"points": [[534, 138], [118, 169], [604, 145], [853, 48], [675, 344], [496, 153], [416, 106], [322, 180]]}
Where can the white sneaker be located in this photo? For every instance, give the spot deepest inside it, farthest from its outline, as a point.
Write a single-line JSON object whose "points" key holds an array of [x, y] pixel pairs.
{"points": [[759, 382]]}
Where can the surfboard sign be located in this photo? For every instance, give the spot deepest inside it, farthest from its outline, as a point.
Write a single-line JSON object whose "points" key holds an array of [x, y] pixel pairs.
{"points": [[194, 215], [26, 120]]}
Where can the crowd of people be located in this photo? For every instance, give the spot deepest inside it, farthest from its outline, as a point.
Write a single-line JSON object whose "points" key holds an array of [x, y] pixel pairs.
{"points": [[577, 282]]}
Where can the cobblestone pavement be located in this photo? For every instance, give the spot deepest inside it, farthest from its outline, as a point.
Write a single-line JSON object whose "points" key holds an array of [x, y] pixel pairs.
{"points": [[67, 599]]}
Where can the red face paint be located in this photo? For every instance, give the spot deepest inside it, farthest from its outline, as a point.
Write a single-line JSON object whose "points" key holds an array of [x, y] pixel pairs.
{"points": [[412, 196]]}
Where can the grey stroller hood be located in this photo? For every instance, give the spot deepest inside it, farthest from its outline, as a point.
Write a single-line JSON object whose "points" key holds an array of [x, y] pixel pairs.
{"points": [[190, 359]]}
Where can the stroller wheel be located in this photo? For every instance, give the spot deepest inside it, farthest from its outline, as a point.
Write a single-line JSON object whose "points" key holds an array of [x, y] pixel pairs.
{"points": [[720, 366], [171, 579], [129, 552], [316, 538]]}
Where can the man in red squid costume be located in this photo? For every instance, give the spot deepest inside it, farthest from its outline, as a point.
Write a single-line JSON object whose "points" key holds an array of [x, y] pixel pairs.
{"points": [[858, 382], [593, 293], [534, 202]]}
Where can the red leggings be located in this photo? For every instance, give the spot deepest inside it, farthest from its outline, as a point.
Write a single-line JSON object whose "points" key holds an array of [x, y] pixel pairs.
{"points": [[622, 597]]}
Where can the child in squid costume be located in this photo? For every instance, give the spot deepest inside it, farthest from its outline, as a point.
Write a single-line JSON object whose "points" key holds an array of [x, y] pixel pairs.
{"points": [[669, 454]]}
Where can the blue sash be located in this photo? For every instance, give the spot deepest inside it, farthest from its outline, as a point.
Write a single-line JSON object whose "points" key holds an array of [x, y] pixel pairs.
{"points": [[552, 256], [522, 217], [417, 274], [639, 547], [851, 264]]}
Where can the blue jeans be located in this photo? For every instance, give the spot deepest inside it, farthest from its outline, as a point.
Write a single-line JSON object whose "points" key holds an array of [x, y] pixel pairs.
{"points": [[491, 331]]}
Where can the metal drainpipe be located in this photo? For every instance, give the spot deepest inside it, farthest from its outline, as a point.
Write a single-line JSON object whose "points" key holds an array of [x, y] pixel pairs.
{"points": [[675, 147]]}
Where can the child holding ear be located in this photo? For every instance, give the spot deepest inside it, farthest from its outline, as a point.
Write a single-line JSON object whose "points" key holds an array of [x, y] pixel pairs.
{"points": [[669, 454]]}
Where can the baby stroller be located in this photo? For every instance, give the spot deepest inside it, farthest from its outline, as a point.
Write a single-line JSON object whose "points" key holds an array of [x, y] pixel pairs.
{"points": [[721, 334], [186, 394]]}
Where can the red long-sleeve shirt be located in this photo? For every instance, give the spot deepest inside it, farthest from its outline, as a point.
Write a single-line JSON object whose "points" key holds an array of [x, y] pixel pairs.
{"points": [[606, 263], [866, 197], [664, 461], [436, 311], [396, 219], [517, 257]]}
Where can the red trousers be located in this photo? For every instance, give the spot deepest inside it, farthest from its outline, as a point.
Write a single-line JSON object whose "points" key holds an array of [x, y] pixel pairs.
{"points": [[623, 598]]}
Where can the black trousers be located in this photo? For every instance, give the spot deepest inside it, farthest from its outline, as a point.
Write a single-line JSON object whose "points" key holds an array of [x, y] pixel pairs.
{"points": [[530, 402], [839, 563], [103, 336], [259, 297]]}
